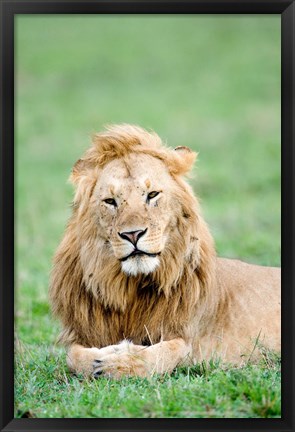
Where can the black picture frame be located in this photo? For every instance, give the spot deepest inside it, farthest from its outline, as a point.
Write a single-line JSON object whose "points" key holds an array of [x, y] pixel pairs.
{"points": [[10, 8]]}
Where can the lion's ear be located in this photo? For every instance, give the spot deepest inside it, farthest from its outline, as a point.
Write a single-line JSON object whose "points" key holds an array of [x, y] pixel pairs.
{"points": [[83, 178], [183, 160], [183, 149]]}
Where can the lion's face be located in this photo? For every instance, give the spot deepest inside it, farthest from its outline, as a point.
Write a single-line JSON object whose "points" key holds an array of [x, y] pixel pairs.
{"points": [[134, 199]]}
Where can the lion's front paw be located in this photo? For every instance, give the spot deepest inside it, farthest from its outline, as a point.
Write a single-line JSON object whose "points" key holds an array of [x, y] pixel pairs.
{"points": [[123, 360]]}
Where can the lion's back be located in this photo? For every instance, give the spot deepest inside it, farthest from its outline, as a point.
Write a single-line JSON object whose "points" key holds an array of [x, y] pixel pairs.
{"points": [[250, 310]]}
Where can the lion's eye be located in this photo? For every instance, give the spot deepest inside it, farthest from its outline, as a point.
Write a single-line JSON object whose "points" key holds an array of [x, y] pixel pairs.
{"points": [[111, 201], [152, 195]]}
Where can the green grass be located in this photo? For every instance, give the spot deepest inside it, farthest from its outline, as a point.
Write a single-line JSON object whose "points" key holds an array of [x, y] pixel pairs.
{"points": [[206, 390], [210, 83]]}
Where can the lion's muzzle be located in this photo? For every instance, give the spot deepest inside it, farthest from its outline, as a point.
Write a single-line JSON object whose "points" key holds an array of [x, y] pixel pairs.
{"points": [[137, 251]]}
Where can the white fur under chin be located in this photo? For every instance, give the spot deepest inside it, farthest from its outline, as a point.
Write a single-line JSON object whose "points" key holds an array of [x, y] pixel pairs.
{"points": [[134, 266]]}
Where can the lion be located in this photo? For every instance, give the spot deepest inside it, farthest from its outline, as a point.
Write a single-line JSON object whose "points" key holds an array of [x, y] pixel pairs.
{"points": [[136, 281]]}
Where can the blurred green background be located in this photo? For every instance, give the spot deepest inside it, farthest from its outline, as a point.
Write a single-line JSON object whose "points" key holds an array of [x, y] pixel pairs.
{"points": [[208, 82]]}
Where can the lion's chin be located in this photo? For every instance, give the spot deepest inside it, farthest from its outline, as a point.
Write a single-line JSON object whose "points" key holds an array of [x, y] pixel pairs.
{"points": [[137, 265]]}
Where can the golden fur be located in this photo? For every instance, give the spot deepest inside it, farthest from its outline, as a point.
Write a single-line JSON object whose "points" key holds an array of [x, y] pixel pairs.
{"points": [[177, 303]]}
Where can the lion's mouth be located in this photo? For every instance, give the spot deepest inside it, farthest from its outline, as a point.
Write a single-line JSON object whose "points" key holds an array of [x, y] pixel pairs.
{"points": [[137, 252]]}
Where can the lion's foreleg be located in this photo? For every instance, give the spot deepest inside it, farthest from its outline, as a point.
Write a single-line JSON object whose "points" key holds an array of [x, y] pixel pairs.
{"points": [[166, 355], [128, 359], [136, 360]]}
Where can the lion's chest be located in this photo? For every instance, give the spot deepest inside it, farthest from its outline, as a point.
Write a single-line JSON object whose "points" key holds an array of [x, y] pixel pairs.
{"points": [[145, 320]]}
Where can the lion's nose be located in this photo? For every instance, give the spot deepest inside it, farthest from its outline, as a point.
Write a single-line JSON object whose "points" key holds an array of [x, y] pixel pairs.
{"points": [[132, 236]]}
